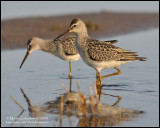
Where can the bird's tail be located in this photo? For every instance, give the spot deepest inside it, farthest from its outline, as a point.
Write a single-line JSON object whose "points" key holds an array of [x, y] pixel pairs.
{"points": [[141, 58]]}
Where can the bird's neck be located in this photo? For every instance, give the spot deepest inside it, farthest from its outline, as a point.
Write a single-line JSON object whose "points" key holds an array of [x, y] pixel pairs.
{"points": [[48, 46], [80, 42], [81, 37]]}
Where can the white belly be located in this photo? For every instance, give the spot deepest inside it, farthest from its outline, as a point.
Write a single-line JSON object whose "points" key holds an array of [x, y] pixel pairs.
{"points": [[99, 65], [69, 57]]}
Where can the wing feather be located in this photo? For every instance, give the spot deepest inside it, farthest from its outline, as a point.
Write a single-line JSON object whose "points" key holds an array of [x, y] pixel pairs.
{"points": [[103, 51]]}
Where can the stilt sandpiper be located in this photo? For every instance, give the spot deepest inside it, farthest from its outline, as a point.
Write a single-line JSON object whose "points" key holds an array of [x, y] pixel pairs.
{"points": [[63, 48], [99, 54]]}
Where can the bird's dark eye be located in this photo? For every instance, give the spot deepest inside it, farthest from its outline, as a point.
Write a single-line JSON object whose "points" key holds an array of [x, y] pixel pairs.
{"points": [[29, 47], [74, 25]]}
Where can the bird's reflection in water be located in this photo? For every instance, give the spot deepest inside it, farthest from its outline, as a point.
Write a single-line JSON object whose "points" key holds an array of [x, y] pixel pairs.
{"points": [[90, 111]]}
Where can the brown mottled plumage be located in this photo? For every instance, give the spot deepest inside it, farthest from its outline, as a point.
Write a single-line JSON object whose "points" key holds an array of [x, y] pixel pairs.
{"points": [[99, 54], [63, 48], [68, 45], [102, 51]]}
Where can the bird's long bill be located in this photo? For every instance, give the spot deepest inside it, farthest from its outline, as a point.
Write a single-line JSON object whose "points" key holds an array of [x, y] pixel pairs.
{"points": [[27, 54], [62, 34]]}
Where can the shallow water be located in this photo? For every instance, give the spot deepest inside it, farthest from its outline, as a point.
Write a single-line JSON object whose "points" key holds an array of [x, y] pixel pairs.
{"points": [[42, 74]]}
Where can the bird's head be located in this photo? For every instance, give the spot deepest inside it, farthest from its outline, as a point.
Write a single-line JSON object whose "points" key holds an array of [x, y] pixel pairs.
{"points": [[76, 26], [32, 45]]}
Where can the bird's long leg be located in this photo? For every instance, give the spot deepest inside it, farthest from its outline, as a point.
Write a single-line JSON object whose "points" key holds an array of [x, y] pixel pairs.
{"points": [[99, 81], [100, 92], [70, 89], [116, 73], [70, 74], [99, 84], [97, 76]]}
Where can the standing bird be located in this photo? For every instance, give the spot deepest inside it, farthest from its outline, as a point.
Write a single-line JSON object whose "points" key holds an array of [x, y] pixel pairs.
{"points": [[63, 48], [99, 54]]}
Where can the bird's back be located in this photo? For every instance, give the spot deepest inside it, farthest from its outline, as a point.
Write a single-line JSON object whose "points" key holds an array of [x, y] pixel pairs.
{"points": [[68, 45], [103, 51]]}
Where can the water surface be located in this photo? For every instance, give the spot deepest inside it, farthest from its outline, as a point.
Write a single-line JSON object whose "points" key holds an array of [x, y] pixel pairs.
{"points": [[42, 74]]}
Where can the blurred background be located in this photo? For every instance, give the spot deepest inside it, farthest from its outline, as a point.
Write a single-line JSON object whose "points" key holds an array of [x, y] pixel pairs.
{"points": [[49, 19], [18, 9]]}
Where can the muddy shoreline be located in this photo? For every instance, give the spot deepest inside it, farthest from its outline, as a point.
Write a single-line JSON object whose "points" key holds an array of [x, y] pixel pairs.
{"points": [[16, 32]]}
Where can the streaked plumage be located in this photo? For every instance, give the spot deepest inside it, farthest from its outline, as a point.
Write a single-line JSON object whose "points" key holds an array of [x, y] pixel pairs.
{"points": [[101, 51], [98, 54], [63, 48]]}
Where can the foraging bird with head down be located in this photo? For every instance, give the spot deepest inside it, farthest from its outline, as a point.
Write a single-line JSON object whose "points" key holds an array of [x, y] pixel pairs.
{"points": [[63, 48]]}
